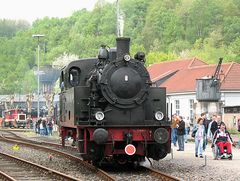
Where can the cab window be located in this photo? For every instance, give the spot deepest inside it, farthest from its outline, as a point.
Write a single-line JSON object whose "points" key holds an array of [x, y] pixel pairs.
{"points": [[74, 76]]}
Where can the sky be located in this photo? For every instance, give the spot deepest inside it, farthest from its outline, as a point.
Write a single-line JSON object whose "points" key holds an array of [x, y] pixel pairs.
{"points": [[31, 10]]}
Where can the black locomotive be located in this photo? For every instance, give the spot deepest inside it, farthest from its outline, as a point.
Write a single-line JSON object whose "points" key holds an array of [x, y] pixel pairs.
{"points": [[108, 106]]}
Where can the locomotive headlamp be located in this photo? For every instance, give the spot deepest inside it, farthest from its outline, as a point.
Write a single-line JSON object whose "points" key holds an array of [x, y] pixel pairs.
{"points": [[159, 115], [127, 58], [99, 115]]}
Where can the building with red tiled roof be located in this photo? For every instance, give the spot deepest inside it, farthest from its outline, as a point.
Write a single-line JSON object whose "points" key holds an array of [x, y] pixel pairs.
{"points": [[179, 77], [165, 68]]}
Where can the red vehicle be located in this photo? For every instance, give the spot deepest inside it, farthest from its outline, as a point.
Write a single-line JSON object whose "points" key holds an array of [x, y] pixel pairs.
{"points": [[14, 118]]}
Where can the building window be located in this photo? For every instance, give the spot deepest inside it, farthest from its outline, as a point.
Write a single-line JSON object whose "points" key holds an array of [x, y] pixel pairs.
{"points": [[191, 102], [235, 109], [177, 107]]}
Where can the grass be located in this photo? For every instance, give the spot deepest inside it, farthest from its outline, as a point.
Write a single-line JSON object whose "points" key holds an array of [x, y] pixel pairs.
{"points": [[233, 131]]}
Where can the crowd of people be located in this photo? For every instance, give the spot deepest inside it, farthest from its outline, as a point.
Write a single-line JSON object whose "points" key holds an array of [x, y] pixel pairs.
{"points": [[205, 130], [44, 126]]}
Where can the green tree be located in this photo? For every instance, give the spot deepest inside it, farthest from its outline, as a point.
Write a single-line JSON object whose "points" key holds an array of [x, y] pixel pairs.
{"points": [[235, 49], [205, 16], [164, 30], [161, 24], [134, 12], [9, 28], [157, 57], [231, 29]]}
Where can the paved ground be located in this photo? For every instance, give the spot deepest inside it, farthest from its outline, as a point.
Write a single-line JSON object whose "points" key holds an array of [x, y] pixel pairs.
{"points": [[189, 153], [190, 150], [185, 166]]}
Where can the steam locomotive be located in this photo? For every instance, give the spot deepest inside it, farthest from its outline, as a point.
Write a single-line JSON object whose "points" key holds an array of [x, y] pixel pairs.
{"points": [[111, 110]]}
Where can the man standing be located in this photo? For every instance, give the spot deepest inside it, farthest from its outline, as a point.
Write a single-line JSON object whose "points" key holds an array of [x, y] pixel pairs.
{"points": [[175, 121], [212, 129], [219, 120], [214, 125], [205, 123], [181, 133]]}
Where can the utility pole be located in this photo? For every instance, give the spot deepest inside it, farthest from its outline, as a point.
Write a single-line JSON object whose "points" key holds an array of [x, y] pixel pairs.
{"points": [[118, 27], [119, 21], [38, 36]]}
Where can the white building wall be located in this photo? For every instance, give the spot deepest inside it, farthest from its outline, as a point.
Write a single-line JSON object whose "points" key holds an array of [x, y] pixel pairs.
{"points": [[227, 99], [184, 103], [230, 98]]}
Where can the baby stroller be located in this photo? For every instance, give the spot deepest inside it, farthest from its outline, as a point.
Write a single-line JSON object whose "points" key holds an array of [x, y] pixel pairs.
{"points": [[216, 153]]}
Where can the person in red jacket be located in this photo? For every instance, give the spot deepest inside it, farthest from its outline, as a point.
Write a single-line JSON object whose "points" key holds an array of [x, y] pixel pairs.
{"points": [[223, 139]]}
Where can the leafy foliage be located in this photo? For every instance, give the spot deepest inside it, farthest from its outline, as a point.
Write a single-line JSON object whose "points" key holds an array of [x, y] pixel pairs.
{"points": [[164, 30], [9, 28]]}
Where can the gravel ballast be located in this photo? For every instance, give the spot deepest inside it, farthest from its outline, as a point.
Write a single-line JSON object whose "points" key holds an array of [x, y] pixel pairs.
{"points": [[184, 165], [43, 158]]}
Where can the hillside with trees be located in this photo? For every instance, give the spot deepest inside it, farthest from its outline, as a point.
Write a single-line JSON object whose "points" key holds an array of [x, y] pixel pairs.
{"points": [[165, 30]]}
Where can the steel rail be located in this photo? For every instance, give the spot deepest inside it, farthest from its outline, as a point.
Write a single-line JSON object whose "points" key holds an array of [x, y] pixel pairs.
{"points": [[20, 138], [53, 173], [160, 175], [6, 177], [96, 170], [153, 172]]}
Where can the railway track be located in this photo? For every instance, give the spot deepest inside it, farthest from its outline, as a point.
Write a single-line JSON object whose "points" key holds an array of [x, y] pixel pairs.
{"points": [[101, 174], [149, 173], [130, 172], [13, 168], [160, 175], [11, 135]]}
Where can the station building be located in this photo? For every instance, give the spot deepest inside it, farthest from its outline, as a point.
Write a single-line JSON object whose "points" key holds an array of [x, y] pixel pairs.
{"points": [[180, 79], [47, 78]]}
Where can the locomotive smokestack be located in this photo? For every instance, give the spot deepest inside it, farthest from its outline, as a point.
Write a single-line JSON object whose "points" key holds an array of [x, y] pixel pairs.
{"points": [[123, 45]]}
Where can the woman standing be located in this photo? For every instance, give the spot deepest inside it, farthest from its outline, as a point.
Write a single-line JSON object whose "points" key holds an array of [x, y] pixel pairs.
{"points": [[199, 131]]}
